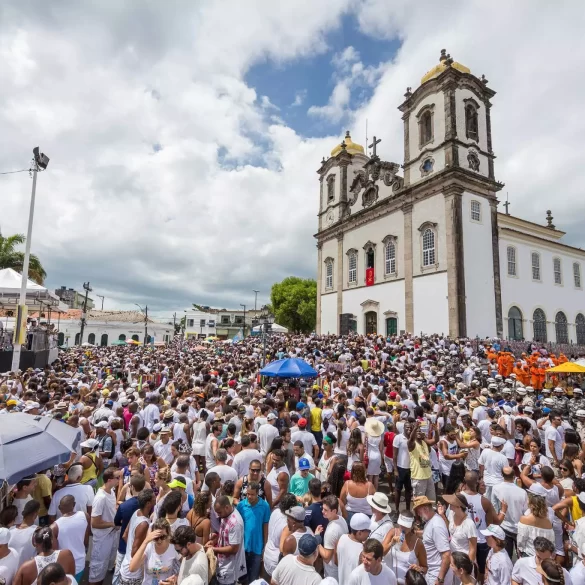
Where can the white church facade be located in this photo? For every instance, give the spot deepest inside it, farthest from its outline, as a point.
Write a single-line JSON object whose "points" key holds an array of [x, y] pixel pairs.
{"points": [[428, 251]]}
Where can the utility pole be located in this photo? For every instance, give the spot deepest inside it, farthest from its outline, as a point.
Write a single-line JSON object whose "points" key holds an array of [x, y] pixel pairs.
{"points": [[255, 300], [40, 162], [244, 318], [101, 297], [174, 324], [83, 315], [145, 313]]}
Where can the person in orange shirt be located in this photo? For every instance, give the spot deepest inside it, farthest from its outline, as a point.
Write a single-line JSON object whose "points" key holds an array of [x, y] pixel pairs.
{"points": [[554, 359], [501, 363], [562, 358], [509, 364], [534, 377], [519, 372], [526, 375], [541, 375]]}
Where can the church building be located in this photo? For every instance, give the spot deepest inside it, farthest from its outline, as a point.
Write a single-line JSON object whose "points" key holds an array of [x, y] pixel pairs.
{"points": [[429, 251]]}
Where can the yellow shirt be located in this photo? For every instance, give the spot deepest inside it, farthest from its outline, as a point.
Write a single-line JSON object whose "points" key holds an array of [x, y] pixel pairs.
{"points": [[420, 462], [42, 489], [91, 472], [316, 419]]}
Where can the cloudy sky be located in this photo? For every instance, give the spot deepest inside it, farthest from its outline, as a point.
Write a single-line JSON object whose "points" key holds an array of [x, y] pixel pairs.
{"points": [[184, 136]]}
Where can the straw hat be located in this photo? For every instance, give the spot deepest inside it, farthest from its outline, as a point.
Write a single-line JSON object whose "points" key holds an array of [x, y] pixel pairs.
{"points": [[421, 501], [374, 427]]}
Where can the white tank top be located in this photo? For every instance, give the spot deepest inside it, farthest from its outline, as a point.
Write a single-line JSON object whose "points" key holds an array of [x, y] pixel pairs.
{"points": [[125, 571], [477, 514], [199, 433], [445, 464], [273, 480], [71, 536], [358, 504], [179, 432], [42, 562], [298, 536]]}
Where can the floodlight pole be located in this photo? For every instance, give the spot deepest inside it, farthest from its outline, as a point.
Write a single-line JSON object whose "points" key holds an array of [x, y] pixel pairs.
{"points": [[17, 346]]}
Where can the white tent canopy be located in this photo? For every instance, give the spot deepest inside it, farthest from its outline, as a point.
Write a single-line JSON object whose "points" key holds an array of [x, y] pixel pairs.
{"points": [[276, 328], [38, 297]]}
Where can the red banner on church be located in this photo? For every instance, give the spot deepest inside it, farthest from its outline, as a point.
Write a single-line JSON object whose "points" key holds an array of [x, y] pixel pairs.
{"points": [[369, 276]]}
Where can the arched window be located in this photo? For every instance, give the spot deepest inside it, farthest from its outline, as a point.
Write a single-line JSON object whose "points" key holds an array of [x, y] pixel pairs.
{"points": [[352, 257], [104, 340], [331, 188], [471, 125], [557, 271], [135, 337], [539, 325], [425, 125], [329, 273], [428, 247], [577, 274], [535, 266], [511, 254], [515, 330], [121, 337], [580, 326], [61, 339], [390, 256], [77, 338], [561, 328], [475, 210], [91, 338]]}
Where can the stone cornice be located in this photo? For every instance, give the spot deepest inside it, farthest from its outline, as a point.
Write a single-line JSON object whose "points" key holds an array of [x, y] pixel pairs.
{"points": [[457, 141], [540, 241]]}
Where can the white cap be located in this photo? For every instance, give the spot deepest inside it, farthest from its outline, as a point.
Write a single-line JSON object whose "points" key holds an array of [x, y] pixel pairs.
{"points": [[102, 425], [360, 521], [494, 530], [271, 416], [4, 536], [498, 441]]}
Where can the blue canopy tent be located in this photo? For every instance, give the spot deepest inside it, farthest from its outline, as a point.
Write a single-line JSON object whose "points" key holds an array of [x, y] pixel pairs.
{"points": [[31, 443], [289, 368]]}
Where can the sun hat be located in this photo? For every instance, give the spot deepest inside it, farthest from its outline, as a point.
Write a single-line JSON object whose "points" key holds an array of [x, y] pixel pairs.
{"points": [[453, 500], [421, 501], [374, 427], [296, 513], [482, 400], [494, 530], [379, 501], [89, 443], [360, 521]]}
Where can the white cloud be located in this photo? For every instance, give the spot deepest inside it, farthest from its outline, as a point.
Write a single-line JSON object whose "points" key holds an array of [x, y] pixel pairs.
{"points": [[300, 97], [229, 203]]}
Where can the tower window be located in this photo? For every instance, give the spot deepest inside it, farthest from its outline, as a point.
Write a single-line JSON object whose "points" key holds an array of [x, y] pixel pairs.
{"points": [[471, 124], [577, 274], [352, 266], [428, 247], [535, 267], [425, 125], [370, 258], [329, 273], [475, 210], [511, 254], [390, 257], [331, 188], [557, 271]]}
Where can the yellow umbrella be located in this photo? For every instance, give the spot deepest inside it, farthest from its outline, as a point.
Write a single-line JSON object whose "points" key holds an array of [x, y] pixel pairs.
{"points": [[567, 368]]}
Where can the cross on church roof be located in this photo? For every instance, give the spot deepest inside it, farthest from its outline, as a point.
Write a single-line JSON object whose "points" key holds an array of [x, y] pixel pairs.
{"points": [[506, 205], [373, 145]]}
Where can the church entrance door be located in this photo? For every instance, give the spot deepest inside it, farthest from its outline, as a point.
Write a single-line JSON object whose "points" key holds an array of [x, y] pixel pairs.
{"points": [[391, 326], [371, 322]]}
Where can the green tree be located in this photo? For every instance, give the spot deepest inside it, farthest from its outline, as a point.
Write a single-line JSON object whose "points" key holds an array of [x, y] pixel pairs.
{"points": [[12, 258], [294, 303]]}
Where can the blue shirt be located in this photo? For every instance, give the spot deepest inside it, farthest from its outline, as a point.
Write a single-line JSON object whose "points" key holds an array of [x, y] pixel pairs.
{"points": [[123, 514], [254, 519]]}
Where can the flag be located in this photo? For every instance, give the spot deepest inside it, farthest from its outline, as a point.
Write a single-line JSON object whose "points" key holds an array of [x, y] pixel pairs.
{"points": [[238, 336], [369, 276]]}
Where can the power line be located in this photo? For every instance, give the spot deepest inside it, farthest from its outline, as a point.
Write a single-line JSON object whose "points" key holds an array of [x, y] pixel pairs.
{"points": [[12, 172]]}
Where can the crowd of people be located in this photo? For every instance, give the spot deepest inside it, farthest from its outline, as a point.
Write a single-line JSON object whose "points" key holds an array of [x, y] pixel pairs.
{"points": [[407, 460]]}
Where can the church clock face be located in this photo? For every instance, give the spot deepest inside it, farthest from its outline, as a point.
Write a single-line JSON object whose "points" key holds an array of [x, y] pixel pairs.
{"points": [[329, 218]]}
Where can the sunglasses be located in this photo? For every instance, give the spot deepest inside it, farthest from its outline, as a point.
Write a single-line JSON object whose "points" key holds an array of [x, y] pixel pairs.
{"points": [[161, 538], [255, 470], [563, 469]]}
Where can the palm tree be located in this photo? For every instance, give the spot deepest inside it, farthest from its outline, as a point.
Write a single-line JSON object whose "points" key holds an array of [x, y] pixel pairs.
{"points": [[11, 258]]}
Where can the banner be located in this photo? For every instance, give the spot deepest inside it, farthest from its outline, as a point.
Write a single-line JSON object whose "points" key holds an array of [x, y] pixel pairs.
{"points": [[369, 276]]}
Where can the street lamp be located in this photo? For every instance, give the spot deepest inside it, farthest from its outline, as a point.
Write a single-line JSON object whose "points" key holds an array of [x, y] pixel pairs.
{"points": [[266, 321], [145, 313], [40, 162], [244, 334]]}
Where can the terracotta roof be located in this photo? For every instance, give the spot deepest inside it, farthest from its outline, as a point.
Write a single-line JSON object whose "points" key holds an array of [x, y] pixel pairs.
{"points": [[107, 316]]}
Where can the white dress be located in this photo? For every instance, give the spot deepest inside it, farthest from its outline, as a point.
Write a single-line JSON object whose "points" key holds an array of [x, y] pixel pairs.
{"points": [[375, 459], [199, 435]]}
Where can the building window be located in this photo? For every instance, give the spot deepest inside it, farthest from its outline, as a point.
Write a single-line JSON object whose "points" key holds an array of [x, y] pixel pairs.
{"points": [[475, 210], [201, 323], [190, 322], [122, 337], [330, 188], [561, 327], [238, 320], [539, 325], [580, 326], [390, 257], [471, 124], [425, 125], [428, 247], [515, 324], [329, 273], [91, 338], [557, 271], [577, 274], [104, 339], [511, 253], [135, 337], [352, 266], [535, 267], [225, 319]]}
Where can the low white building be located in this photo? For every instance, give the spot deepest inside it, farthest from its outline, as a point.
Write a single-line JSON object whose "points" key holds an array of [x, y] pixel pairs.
{"points": [[200, 324], [428, 251]]}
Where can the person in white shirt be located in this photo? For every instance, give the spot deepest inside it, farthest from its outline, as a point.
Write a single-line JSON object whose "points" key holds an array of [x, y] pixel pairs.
{"points": [[242, 460], [225, 472], [528, 570], [350, 546], [577, 573], [336, 527], [299, 569], [308, 439], [498, 568], [401, 456], [553, 440], [267, 433], [162, 448], [83, 494], [300, 453], [373, 570], [491, 462], [516, 502]]}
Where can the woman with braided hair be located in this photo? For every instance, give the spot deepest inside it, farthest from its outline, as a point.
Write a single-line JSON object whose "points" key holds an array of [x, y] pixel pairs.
{"points": [[46, 554]]}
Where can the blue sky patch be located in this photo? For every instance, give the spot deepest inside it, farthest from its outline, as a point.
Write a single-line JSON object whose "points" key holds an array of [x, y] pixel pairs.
{"points": [[296, 85]]}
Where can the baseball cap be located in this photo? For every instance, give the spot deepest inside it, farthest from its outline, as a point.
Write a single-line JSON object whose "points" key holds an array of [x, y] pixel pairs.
{"points": [[90, 444], [498, 441], [4, 536], [177, 484], [304, 463], [102, 425], [157, 427], [307, 544], [271, 416], [494, 530], [360, 521], [302, 422], [296, 512]]}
